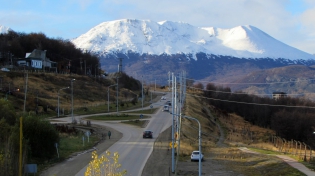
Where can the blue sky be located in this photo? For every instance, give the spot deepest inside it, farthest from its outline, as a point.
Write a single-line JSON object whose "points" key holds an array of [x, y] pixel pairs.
{"points": [[290, 21]]}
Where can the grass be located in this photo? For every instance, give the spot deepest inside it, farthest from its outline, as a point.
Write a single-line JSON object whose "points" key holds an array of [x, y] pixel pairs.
{"points": [[115, 117], [146, 111], [103, 108], [232, 158], [263, 151], [138, 123], [70, 144]]}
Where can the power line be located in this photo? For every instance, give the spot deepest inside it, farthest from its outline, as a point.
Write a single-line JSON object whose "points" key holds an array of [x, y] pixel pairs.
{"points": [[255, 83], [240, 93], [258, 104]]}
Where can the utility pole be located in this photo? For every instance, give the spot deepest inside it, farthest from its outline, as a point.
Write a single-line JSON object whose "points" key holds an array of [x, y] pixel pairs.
{"points": [[84, 67], [73, 121], [173, 118], [142, 91], [169, 81], [25, 92], [81, 64], [117, 97]]}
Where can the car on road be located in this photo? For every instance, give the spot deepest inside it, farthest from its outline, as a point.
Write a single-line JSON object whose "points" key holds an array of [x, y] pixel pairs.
{"points": [[165, 108], [5, 69], [148, 134], [163, 98], [195, 156]]}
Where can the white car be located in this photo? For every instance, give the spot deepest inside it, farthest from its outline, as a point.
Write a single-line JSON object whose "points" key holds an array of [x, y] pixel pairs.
{"points": [[195, 156], [163, 98], [5, 69], [165, 108]]}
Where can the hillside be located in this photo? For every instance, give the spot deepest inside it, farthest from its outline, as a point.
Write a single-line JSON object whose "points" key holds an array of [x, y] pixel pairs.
{"points": [[295, 80], [43, 88], [222, 140]]}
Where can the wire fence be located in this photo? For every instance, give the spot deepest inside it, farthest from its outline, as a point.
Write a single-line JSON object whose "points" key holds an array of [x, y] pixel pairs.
{"points": [[293, 147]]}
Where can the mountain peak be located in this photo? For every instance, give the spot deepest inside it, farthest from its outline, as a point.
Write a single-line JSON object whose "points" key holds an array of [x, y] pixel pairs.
{"points": [[168, 37], [4, 30]]}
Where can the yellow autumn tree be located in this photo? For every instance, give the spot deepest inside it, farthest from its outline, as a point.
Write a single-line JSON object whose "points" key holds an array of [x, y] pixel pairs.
{"points": [[105, 165]]}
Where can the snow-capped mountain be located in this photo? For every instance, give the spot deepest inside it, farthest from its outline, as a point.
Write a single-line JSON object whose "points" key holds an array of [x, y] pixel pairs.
{"points": [[4, 30], [166, 37]]}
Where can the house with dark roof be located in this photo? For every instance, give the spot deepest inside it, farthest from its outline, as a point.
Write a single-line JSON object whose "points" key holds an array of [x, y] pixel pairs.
{"points": [[37, 60], [277, 95]]}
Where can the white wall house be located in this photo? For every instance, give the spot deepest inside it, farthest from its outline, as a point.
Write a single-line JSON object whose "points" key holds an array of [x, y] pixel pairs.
{"points": [[37, 59]]}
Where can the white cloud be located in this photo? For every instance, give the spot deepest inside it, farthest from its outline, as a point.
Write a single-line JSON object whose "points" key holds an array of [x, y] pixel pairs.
{"points": [[308, 21]]}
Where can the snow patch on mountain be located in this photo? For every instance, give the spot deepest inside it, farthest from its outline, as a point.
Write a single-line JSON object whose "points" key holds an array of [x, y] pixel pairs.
{"points": [[4, 30], [167, 37]]}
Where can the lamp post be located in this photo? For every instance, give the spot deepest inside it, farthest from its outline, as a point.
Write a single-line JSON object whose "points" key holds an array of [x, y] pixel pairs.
{"points": [[142, 92], [72, 100], [108, 96], [58, 97], [199, 137], [117, 96]]}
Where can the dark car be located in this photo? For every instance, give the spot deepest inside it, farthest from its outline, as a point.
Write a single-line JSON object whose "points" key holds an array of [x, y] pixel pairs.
{"points": [[148, 134]]}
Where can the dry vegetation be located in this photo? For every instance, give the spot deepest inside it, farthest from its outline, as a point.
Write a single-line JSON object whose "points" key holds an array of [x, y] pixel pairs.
{"points": [[223, 155], [42, 89]]}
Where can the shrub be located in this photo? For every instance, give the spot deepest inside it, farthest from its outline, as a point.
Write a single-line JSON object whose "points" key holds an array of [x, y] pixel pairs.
{"points": [[104, 165]]}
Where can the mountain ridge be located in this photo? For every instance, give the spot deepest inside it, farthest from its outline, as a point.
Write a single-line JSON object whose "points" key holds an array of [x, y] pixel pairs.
{"points": [[4, 29], [167, 37]]}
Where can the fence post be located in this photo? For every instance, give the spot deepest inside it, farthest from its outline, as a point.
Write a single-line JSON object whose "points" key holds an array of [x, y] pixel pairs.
{"points": [[300, 154], [304, 151], [310, 153], [295, 147], [284, 144]]}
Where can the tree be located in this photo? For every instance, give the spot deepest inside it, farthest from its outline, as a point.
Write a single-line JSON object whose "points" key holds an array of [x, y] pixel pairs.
{"points": [[40, 136], [104, 165], [7, 112]]}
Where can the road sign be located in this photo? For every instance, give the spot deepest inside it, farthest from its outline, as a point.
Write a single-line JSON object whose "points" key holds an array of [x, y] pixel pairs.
{"points": [[175, 144], [87, 133], [141, 116]]}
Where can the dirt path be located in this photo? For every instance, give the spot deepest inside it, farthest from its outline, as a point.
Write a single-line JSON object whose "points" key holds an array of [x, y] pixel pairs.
{"points": [[292, 162]]}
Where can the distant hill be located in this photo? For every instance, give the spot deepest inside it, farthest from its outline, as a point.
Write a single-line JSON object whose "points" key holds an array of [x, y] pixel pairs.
{"points": [[295, 80]]}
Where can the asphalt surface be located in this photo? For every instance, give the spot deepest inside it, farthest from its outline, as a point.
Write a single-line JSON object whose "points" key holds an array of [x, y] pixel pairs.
{"points": [[127, 140]]}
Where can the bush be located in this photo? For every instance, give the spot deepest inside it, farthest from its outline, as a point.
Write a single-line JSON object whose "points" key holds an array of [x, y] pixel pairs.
{"points": [[104, 165], [39, 135], [7, 112]]}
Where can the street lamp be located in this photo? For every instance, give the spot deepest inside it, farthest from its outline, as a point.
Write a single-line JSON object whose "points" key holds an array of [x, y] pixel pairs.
{"points": [[73, 121], [199, 137], [58, 97], [108, 96], [142, 92]]}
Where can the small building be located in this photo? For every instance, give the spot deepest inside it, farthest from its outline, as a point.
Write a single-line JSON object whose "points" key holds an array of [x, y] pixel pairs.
{"points": [[37, 60], [277, 95]]}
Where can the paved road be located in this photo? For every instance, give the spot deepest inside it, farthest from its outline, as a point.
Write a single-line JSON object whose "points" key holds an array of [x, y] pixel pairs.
{"points": [[132, 148]]}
